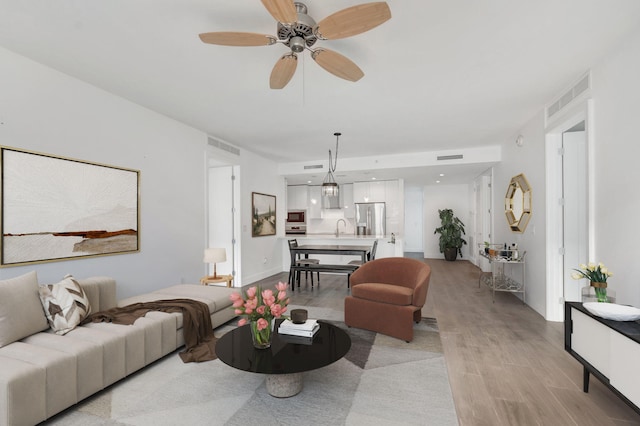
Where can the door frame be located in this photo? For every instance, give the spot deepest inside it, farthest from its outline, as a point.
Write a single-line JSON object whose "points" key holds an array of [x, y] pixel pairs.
{"points": [[554, 229]]}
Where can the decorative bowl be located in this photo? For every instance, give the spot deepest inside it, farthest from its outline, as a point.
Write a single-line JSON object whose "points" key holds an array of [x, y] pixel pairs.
{"points": [[613, 311]]}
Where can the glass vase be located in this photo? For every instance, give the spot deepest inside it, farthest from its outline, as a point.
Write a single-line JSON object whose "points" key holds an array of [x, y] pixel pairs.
{"points": [[598, 292], [261, 336]]}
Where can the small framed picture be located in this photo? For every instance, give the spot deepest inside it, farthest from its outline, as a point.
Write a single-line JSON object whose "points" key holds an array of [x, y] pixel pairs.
{"points": [[263, 214]]}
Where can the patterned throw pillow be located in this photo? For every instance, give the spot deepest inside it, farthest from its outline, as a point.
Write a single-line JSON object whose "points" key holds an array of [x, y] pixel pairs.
{"points": [[65, 304]]}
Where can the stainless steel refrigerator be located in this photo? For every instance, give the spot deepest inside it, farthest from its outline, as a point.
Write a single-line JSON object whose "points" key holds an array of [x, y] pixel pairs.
{"points": [[370, 219]]}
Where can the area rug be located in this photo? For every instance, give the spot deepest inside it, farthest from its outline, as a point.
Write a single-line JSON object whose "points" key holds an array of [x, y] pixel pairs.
{"points": [[381, 381]]}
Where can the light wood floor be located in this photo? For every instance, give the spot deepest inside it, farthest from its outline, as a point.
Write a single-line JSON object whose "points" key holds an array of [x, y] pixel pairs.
{"points": [[506, 364]]}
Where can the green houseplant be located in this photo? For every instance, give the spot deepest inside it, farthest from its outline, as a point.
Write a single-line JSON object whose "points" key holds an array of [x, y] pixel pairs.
{"points": [[451, 231]]}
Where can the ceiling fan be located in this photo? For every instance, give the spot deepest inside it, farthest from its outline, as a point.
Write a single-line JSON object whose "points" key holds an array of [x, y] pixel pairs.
{"points": [[299, 31]]}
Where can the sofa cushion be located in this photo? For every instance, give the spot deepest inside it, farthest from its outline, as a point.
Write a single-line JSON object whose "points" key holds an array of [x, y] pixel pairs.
{"points": [[60, 373], [383, 293], [65, 304], [22, 392], [21, 313], [88, 357]]}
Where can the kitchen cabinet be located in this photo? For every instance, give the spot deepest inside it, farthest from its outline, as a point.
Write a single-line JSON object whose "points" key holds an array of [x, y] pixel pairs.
{"points": [[315, 202], [347, 200], [368, 192], [377, 192], [297, 197]]}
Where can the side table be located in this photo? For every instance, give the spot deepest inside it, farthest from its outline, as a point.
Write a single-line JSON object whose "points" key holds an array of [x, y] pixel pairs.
{"points": [[219, 279]]}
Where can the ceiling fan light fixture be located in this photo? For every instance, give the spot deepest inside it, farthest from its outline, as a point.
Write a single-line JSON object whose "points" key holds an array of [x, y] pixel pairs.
{"points": [[297, 44], [299, 31]]}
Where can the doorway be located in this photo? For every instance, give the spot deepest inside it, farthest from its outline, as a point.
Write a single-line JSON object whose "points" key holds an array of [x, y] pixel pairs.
{"points": [[569, 209], [222, 217], [574, 206], [483, 218]]}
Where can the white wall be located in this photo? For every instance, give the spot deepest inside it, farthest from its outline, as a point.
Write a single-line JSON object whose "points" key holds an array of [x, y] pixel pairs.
{"points": [[528, 159], [46, 111], [615, 90], [261, 256], [438, 197], [413, 219], [616, 96]]}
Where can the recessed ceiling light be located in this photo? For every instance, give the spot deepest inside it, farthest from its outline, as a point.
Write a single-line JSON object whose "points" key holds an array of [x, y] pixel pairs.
{"points": [[373, 178], [441, 174], [308, 181], [437, 181]]}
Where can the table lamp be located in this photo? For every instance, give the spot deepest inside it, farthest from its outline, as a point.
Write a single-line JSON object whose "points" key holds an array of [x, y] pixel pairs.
{"points": [[215, 255]]}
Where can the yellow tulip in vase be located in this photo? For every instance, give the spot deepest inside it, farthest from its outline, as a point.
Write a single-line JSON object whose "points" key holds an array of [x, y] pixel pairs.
{"points": [[597, 274]]}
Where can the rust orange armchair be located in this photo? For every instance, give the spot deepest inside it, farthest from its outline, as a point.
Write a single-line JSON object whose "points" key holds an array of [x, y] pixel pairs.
{"points": [[387, 296]]}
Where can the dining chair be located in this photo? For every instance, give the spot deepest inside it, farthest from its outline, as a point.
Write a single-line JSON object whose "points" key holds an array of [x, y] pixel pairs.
{"points": [[370, 256], [301, 261]]}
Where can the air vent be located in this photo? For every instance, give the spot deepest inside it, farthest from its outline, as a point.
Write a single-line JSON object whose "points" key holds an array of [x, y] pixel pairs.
{"points": [[314, 166], [578, 89], [450, 157], [223, 146]]}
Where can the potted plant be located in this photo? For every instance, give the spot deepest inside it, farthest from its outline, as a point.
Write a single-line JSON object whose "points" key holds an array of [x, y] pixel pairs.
{"points": [[451, 231]]}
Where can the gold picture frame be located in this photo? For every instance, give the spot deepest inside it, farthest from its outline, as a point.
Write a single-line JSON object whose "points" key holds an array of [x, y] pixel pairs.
{"points": [[56, 208], [263, 215]]}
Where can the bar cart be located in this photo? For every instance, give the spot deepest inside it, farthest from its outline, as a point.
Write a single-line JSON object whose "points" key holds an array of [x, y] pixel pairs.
{"points": [[503, 261]]}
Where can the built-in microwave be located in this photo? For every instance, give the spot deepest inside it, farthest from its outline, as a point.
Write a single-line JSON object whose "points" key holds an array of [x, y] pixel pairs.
{"points": [[296, 216]]}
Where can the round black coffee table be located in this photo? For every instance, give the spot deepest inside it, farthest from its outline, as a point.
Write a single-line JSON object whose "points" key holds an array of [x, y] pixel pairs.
{"points": [[287, 358]]}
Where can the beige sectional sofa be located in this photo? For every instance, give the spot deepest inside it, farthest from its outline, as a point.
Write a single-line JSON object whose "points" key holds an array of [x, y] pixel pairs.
{"points": [[43, 373]]}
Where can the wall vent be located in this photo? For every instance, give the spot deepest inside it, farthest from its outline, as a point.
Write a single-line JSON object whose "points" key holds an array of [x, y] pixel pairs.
{"points": [[314, 166], [222, 145], [567, 97], [450, 157]]}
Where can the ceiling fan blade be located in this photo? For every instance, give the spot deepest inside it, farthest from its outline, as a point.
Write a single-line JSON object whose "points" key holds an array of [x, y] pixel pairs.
{"points": [[229, 38], [282, 10], [336, 64], [283, 71], [353, 20]]}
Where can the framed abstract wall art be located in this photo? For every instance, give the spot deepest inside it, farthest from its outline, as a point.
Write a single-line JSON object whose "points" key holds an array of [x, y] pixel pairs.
{"points": [[263, 214], [56, 208]]}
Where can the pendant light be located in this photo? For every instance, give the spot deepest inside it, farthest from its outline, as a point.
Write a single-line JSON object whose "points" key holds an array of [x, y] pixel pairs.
{"points": [[329, 186]]}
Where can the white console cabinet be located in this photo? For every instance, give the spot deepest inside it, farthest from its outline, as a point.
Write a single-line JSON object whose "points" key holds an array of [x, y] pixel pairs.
{"points": [[607, 349]]}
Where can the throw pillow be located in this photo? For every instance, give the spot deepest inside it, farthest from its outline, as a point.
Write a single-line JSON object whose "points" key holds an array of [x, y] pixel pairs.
{"points": [[20, 309], [65, 304]]}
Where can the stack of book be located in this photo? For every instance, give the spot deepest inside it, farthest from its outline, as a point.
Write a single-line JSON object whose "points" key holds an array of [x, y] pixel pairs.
{"points": [[306, 329]]}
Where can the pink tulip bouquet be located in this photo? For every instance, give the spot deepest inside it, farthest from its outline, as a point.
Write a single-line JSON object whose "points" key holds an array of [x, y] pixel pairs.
{"points": [[260, 307]]}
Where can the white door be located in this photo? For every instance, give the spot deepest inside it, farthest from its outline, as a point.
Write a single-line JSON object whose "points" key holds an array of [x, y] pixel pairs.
{"points": [[575, 208]]}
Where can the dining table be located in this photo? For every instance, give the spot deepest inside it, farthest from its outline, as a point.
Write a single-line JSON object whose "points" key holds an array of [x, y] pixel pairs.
{"points": [[335, 249]]}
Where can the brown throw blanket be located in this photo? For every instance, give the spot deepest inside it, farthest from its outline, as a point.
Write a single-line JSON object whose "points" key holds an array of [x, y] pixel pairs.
{"points": [[199, 340]]}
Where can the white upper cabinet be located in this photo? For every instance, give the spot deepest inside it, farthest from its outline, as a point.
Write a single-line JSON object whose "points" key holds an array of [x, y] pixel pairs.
{"points": [[375, 192], [360, 192], [297, 197], [347, 200], [392, 197], [315, 202]]}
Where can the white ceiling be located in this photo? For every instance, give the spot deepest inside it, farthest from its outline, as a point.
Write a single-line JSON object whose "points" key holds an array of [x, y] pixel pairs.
{"points": [[441, 74]]}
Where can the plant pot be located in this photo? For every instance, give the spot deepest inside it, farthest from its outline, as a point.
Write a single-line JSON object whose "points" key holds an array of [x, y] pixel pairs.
{"points": [[450, 253]]}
